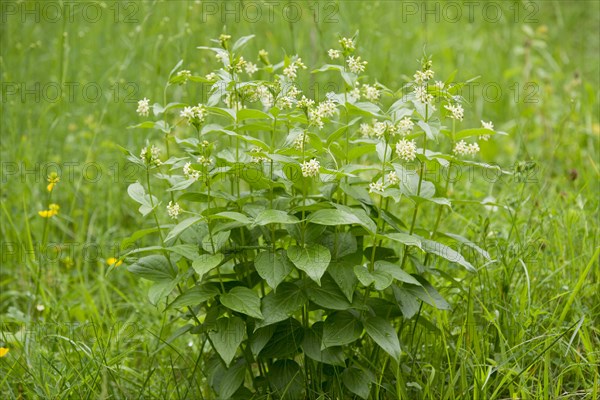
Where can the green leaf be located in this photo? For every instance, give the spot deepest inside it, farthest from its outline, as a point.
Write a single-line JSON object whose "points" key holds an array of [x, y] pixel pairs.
{"points": [[160, 290], [328, 295], [381, 280], [343, 275], [154, 268], [395, 271], [313, 259], [205, 263], [465, 133], [340, 328], [427, 293], [234, 216], [241, 42], [243, 300], [384, 334], [249, 113], [227, 337], [232, 379], [278, 306], [468, 243], [189, 251], [286, 378], [404, 238], [311, 346], [408, 303], [274, 217], [213, 243], [285, 341], [137, 192], [195, 295], [361, 216], [273, 267], [358, 381], [180, 227], [446, 252]]}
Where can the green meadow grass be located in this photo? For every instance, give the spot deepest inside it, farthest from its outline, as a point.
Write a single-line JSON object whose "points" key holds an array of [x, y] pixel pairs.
{"points": [[526, 326]]}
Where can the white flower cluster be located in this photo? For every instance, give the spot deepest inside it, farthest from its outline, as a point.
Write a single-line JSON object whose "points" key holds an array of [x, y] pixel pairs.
{"points": [[287, 101], [324, 109], [195, 115], [356, 65], [371, 93], [305, 103], [173, 210], [406, 149], [310, 168], [486, 125], [423, 96], [190, 172], [392, 178], [405, 126], [211, 77], [291, 71], [299, 141], [376, 187], [250, 68], [347, 44], [150, 155], [422, 77], [456, 111], [265, 96], [333, 54], [462, 148], [256, 158], [185, 74], [143, 107]]}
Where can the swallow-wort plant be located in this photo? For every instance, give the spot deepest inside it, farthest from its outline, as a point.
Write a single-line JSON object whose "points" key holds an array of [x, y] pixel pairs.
{"points": [[296, 236]]}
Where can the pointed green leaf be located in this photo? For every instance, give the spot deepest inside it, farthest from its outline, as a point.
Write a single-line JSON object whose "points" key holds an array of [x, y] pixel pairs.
{"points": [[278, 306], [244, 300], [340, 328], [383, 333], [273, 267], [205, 263], [313, 259], [154, 268], [275, 217], [228, 336], [358, 381]]}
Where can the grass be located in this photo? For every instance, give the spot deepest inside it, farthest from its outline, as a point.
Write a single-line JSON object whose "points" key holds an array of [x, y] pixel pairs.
{"points": [[526, 326]]}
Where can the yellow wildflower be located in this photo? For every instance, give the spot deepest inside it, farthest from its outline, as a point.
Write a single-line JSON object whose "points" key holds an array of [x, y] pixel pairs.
{"points": [[114, 261], [53, 179], [51, 212], [3, 351]]}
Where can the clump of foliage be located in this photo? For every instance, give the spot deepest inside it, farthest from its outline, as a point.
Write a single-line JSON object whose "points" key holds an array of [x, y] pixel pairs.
{"points": [[295, 235]]}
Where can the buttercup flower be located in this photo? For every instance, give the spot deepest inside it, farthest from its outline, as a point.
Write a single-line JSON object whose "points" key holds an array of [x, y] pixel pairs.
{"points": [[173, 210], [143, 107], [112, 261], [407, 150], [53, 179], [3, 351], [50, 212], [310, 168]]}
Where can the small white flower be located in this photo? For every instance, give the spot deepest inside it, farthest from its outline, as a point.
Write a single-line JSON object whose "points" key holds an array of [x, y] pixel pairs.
{"points": [[185, 74], [375, 187], [333, 54], [299, 141], [150, 155], [407, 150], [143, 107], [40, 307], [256, 158], [486, 125], [371, 92], [251, 68], [439, 84], [212, 76], [195, 115], [462, 148], [421, 77], [310, 168], [355, 94], [204, 161], [456, 110], [379, 129], [265, 96], [405, 126], [173, 210], [392, 178], [355, 64], [190, 172], [422, 95], [293, 92], [285, 102], [305, 102], [291, 71], [366, 130], [347, 44]]}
